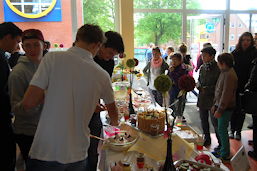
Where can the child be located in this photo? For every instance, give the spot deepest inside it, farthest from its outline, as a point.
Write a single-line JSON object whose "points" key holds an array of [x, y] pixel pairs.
{"points": [[224, 102], [208, 76], [176, 70]]}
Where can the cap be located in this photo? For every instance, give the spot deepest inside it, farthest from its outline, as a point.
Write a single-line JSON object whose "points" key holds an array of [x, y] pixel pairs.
{"points": [[209, 50], [33, 34]]}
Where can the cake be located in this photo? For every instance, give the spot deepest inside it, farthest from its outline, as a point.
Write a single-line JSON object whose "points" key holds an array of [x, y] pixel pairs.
{"points": [[152, 122]]}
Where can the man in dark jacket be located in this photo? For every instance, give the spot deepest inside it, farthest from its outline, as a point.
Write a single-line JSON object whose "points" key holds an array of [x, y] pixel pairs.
{"points": [[113, 46], [10, 36]]}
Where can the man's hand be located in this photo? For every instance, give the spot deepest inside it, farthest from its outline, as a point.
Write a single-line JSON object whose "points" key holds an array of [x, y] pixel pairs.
{"points": [[217, 114], [112, 112], [213, 110], [117, 167], [100, 108]]}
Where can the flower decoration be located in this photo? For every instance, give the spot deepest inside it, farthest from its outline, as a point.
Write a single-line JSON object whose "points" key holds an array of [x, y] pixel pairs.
{"points": [[56, 45], [122, 55], [136, 61], [162, 83], [130, 63], [186, 83]]}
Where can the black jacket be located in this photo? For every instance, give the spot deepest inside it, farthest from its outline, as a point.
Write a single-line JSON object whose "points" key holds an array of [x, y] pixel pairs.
{"points": [[243, 65], [5, 107], [252, 82], [108, 66]]}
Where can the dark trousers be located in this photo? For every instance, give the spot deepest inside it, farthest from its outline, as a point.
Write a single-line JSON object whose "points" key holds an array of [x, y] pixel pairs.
{"points": [[95, 126], [158, 97], [238, 117], [24, 142], [255, 133], [7, 148], [204, 116], [39, 165]]}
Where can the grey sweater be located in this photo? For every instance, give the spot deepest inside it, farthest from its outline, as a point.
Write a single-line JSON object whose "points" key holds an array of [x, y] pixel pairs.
{"points": [[19, 79], [225, 91]]}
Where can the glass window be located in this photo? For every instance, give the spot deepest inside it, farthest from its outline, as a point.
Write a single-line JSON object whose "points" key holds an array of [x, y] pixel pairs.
{"points": [[206, 4], [238, 19], [254, 23], [232, 37], [15, 0], [158, 4], [203, 28], [18, 7], [100, 12], [156, 29], [243, 4], [31, 6], [232, 25]]}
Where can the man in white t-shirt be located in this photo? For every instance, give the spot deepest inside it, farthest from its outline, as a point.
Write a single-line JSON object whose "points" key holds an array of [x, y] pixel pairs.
{"points": [[70, 83]]}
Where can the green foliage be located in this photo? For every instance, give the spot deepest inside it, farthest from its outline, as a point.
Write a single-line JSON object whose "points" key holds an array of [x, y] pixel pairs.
{"points": [[163, 83], [158, 28], [158, 4], [130, 63], [149, 27], [100, 12]]}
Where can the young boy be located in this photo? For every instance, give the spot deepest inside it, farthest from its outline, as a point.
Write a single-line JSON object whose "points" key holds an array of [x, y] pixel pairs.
{"points": [[208, 76], [224, 102], [177, 70], [25, 123]]}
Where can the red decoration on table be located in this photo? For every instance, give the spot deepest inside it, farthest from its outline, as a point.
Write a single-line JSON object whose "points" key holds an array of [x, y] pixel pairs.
{"points": [[204, 159]]}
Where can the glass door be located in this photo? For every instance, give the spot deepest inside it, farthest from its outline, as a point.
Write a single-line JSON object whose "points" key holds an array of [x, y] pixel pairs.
{"points": [[203, 28]]}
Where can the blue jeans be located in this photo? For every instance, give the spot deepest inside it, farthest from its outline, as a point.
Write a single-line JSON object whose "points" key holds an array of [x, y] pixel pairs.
{"points": [[39, 165]]}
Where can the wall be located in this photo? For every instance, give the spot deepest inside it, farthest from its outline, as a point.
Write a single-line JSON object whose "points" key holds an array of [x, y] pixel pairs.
{"points": [[55, 32]]}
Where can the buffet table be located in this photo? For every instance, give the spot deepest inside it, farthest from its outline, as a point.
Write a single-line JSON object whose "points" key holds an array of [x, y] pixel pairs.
{"points": [[152, 147], [154, 150]]}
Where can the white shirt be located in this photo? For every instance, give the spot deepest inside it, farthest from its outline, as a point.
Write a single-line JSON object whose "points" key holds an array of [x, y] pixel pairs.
{"points": [[154, 73], [74, 83]]}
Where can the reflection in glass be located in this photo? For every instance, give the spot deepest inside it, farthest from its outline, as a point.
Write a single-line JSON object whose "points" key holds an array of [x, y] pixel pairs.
{"points": [[31, 6], [254, 24], [206, 4], [18, 7], [158, 4], [243, 4], [241, 24], [28, 9], [203, 28], [15, 0], [31, 1]]}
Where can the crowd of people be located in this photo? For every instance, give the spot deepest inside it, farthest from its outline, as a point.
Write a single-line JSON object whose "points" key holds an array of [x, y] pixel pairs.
{"points": [[50, 101], [221, 83]]}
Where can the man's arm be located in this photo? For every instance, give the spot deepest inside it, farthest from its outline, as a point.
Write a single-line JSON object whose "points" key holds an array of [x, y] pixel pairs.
{"points": [[112, 111], [33, 97]]}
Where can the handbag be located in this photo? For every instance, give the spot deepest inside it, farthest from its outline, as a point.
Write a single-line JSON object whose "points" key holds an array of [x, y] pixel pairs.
{"points": [[249, 102]]}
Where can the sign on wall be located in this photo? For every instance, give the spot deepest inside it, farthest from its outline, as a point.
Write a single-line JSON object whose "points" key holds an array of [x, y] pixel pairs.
{"points": [[32, 10]]}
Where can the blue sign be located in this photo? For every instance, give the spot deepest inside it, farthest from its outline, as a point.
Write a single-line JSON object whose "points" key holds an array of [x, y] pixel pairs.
{"points": [[47, 10], [210, 27]]}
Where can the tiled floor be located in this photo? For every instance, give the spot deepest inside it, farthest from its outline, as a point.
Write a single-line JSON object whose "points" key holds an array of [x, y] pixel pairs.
{"points": [[192, 116]]}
